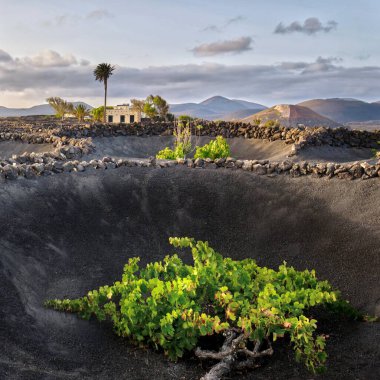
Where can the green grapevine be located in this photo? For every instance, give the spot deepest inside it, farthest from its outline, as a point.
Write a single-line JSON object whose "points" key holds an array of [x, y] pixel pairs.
{"points": [[217, 148], [170, 305]]}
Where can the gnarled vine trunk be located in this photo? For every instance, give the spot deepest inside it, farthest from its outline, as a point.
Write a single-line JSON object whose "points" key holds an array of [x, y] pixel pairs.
{"points": [[234, 355]]}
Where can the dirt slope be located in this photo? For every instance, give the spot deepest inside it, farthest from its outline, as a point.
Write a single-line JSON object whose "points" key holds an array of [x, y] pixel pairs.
{"points": [[8, 148], [248, 149], [63, 235]]}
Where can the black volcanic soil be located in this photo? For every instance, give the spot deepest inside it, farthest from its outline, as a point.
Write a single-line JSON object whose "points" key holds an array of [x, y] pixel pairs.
{"points": [[64, 235], [143, 147], [246, 149], [8, 148]]}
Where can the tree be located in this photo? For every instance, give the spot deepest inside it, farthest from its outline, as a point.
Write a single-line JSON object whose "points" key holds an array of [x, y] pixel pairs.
{"points": [[161, 106], [155, 106], [98, 113], [170, 117], [138, 105], [80, 111], [102, 73], [60, 106], [149, 107]]}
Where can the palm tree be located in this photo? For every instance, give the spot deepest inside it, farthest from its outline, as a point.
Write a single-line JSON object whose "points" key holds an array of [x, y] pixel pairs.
{"points": [[102, 72], [60, 106], [80, 111]]}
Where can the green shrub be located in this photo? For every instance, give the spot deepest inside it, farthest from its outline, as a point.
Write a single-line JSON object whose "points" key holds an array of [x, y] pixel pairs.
{"points": [[217, 148], [182, 143], [271, 123], [170, 154], [170, 305], [166, 154], [185, 118]]}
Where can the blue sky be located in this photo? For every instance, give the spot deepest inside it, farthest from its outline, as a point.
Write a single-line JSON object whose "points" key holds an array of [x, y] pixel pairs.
{"points": [[264, 51]]}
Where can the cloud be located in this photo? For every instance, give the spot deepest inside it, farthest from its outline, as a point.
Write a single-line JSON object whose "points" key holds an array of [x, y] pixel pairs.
{"points": [[310, 26], [363, 57], [98, 14], [234, 20], [64, 19], [320, 65], [50, 58], [230, 21], [73, 19], [289, 82], [42, 60], [84, 62], [60, 20], [211, 28], [223, 47], [4, 56]]}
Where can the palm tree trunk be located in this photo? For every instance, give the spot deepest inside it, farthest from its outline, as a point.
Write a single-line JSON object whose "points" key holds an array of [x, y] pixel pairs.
{"points": [[105, 102]]}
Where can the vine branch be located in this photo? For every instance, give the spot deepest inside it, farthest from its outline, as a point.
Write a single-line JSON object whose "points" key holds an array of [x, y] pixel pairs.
{"points": [[229, 356]]}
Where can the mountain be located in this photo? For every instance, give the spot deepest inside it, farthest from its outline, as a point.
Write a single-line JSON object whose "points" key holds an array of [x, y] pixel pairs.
{"points": [[193, 110], [249, 105], [292, 116], [221, 104], [216, 107], [344, 110], [41, 109], [241, 114]]}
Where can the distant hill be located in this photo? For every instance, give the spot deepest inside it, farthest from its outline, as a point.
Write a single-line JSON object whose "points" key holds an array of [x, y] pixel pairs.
{"points": [[41, 109], [217, 107], [344, 110], [193, 110], [241, 114], [292, 116], [220, 104]]}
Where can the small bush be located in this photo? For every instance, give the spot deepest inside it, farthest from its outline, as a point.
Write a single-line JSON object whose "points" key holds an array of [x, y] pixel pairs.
{"points": [[182, 143], [217, 148], [271, 123], [170, 154], [166, 154], [185, 118], [170, 305]]}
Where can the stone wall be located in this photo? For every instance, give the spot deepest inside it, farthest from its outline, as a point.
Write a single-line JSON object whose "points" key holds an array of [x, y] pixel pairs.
{"points": [[51, 163], [302, 137], [70, 147], [72, 142]]}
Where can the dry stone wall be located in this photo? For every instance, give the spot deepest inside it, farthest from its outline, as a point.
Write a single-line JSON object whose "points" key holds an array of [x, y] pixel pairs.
{"points": [[72, 142], [66, 147], [50, 132], [301, 136], [49, 164]]}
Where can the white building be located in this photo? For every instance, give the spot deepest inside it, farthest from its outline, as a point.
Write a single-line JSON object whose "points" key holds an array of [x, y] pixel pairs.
{"points": [[123, 113]]}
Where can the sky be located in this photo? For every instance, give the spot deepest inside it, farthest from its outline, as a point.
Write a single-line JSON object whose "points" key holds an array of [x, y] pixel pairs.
{"points": [[269, 52]]}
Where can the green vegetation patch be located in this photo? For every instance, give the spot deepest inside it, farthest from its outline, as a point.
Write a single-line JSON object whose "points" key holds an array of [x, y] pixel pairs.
{"points": [[171, 305], [217, 148]]}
